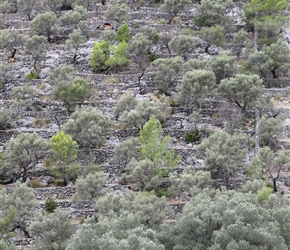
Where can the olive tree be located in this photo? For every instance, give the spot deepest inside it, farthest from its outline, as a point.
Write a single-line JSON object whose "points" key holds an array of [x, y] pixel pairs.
{"points": [[117, 12], [90, 187], [24, 151], [43, 25], [89, 127], [211, 13], [27, 7], [138, 116], [195, 85], [224, 153], [213, 35], [36, 47], [11, 40], [5, 75], [6, 120], [173, 7], [140, 49], [16, 209], [270, 130], [183, 45], [270, 60], [53, 230], [75, 39], [72, 94], [273, 163], [167, 72], [243, 90], [225, 220]]}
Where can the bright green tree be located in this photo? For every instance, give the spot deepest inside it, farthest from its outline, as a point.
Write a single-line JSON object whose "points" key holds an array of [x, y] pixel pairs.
{"points": [[154, 146], [120, 56], [63, 154], [156, 159], [101, 53], [123, 33]]}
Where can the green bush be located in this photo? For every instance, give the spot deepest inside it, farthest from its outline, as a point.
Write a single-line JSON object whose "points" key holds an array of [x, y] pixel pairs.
{"points": [[35, 184], [32, 75], [191, 136], [50, 205]]}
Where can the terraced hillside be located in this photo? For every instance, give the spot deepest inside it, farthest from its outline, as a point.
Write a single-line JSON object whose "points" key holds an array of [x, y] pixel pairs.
{"points": [[217, 82]]}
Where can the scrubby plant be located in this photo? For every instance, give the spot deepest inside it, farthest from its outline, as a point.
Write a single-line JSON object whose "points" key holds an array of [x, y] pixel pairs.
{"points": [[50, 204]]}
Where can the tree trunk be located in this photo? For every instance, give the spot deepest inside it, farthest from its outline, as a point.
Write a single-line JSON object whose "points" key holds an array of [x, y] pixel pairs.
{"points": [[22, 227], [274, 73], [24, 175], [169, 22], [275, 184], [207, 49]]}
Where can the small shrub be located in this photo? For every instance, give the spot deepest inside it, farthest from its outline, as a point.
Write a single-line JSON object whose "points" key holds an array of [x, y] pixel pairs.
{"points": [[278, 97], [50, 205], [173, 103], [35, 184], [45, 122], [42, 86], [176, 20], [152, 57], [113, 80], [136, 25], [48, 163], [162, 191], [32, 75], [191, 136], [81, 220], [38, 108], [37, 123]]}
